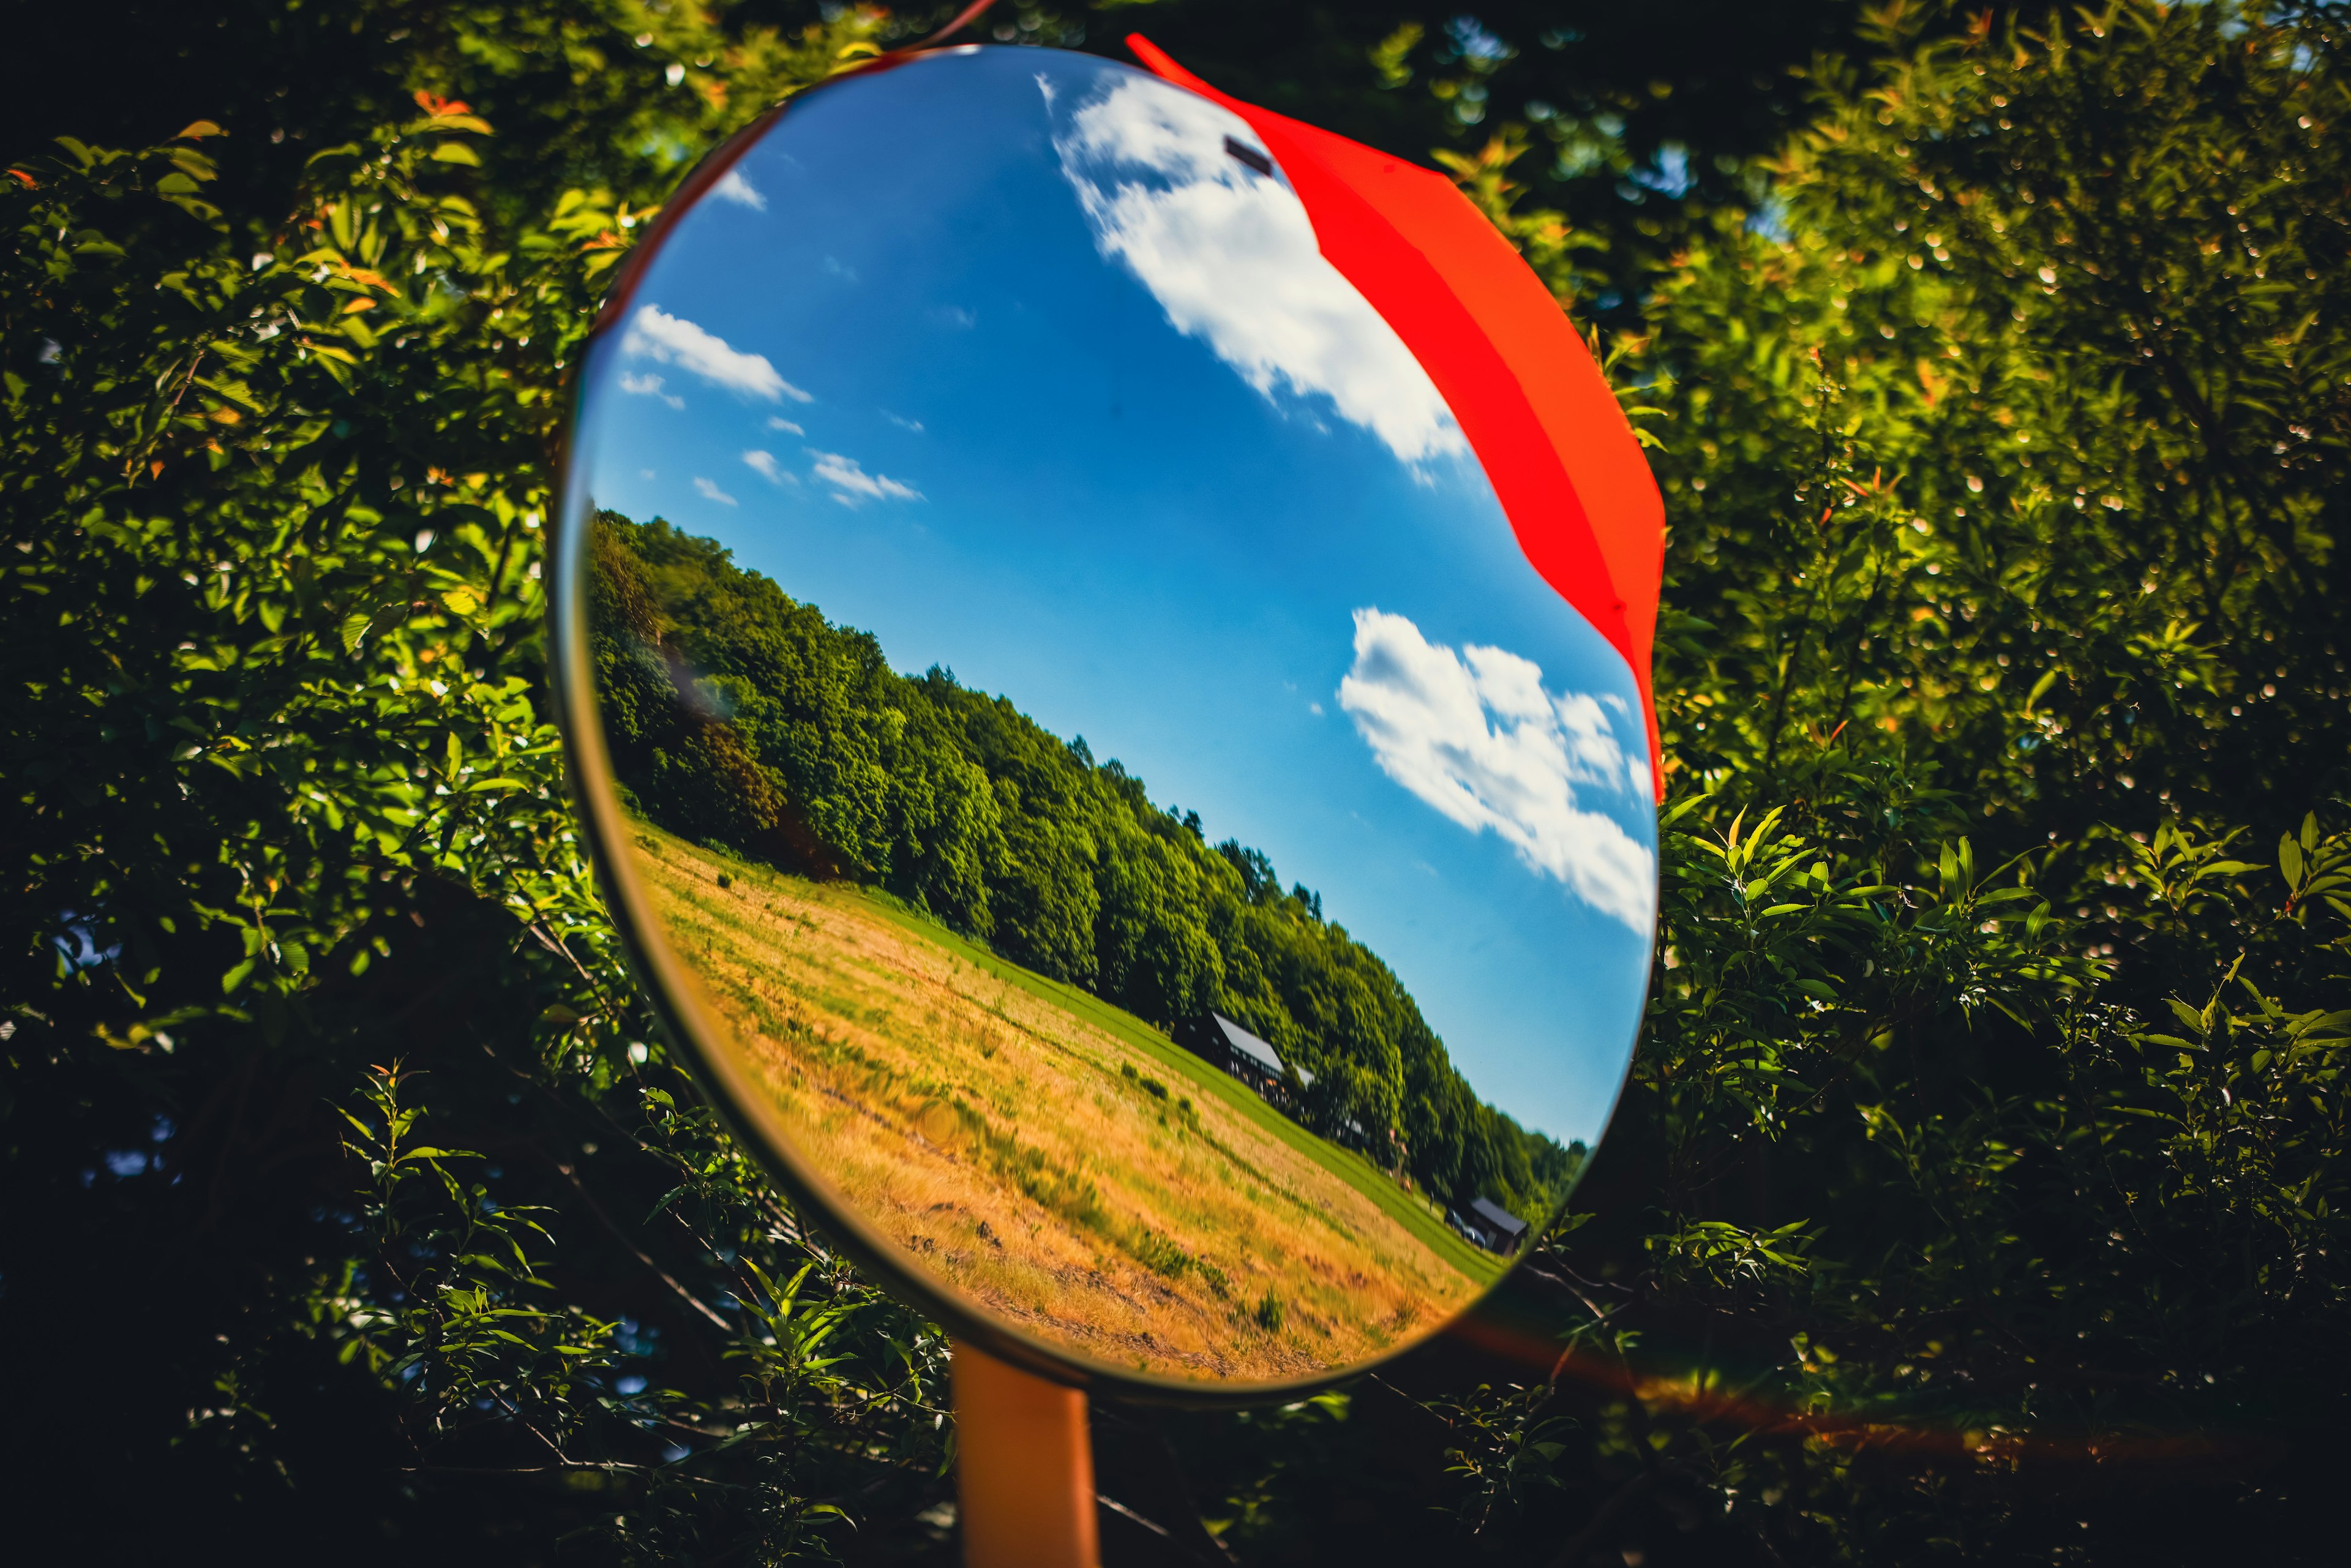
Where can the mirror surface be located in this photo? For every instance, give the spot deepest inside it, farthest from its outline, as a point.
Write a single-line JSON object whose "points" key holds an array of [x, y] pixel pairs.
{"points": [[1146, 844]]}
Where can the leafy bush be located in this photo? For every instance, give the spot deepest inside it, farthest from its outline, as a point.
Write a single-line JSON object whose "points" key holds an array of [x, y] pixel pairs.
{"points": [[1979, 1190], [303, 919]]}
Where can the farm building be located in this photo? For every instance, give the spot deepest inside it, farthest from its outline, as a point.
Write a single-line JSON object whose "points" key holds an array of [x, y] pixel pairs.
{"points": [[1492, 1227], [1246, 1057]]}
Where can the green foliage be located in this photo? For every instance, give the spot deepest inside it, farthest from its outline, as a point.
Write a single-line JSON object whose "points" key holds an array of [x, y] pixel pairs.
{"points": [[1989, 1114], [467, 1327], [282, 806], [1979, 1192]]}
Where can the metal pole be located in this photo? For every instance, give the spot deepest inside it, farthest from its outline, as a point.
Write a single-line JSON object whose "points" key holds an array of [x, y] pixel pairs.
{"points": [[1024, 1468]]}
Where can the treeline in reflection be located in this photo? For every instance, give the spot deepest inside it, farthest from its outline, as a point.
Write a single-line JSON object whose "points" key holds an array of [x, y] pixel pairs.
{"points": [[738, 716]]}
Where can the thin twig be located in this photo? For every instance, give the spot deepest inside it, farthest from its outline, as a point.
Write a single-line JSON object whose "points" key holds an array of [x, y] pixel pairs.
{"points": [[688, 1297], [131, 465]]}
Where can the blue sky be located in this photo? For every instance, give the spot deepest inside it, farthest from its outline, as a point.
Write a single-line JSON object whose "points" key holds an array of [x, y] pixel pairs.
{"points": [[1002, 357]]}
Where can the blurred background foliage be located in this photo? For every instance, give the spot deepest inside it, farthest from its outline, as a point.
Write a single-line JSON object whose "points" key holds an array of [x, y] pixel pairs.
{"points": [[1979, 1193]]}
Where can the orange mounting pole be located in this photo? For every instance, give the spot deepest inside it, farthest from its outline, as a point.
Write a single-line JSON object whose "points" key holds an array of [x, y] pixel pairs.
{"points": [[1024, 1467]]}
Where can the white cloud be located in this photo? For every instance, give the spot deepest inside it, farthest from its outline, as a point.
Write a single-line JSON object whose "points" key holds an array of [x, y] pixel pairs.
{"points": [[851, 484], [733, 187], [777, 421], [649, 386], [1231, 256], [711, 492], [1474, 733], [655, 334], [902, 422], [765, 465]]}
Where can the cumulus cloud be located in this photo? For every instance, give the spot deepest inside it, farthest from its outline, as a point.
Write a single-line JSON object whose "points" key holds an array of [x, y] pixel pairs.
{"points": [[655, 334], [649, 385], [1474, 733], [709, 491], [765, 465], [733, 187], [1637, 780], [1231, 256], [851, 484], [777, 421], [902, 422]]}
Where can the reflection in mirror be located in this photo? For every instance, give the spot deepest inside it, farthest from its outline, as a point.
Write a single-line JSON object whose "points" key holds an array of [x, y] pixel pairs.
{"points": [[1170, 867]]}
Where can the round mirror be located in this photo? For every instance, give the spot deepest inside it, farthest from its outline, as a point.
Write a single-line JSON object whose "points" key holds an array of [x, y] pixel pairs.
{"points": [[1082, 752]]}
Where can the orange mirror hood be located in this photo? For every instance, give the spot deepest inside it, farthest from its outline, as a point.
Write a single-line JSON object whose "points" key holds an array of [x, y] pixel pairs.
{"points": [[1554, 443]]}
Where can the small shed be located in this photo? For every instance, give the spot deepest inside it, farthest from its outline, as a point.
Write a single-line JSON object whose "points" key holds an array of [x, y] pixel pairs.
{"points": [[1498, 1227]]}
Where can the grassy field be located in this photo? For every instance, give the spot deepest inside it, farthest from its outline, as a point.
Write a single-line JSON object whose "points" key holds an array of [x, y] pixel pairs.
{"points": [[1058, 1159], [1415, 1213]]}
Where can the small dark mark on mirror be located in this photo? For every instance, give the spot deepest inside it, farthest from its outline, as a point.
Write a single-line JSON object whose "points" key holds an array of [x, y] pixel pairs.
{"points": [[1249, 155]]}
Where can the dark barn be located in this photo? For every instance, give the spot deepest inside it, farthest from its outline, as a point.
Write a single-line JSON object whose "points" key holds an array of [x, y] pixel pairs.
{"points": [[1248, 1057], [1495, 1228]]}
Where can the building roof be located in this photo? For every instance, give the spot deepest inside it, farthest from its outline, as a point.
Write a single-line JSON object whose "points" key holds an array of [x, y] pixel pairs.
{"points": [[1248, 1045], [1500, 1218]]}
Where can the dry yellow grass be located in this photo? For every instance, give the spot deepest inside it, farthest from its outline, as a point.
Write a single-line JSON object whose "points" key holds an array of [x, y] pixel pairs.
{"points": [[1070, 1181]]}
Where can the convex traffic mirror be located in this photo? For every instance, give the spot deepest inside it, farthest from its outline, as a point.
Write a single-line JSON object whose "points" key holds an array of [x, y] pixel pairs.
{"points": [[1108, 680]]}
